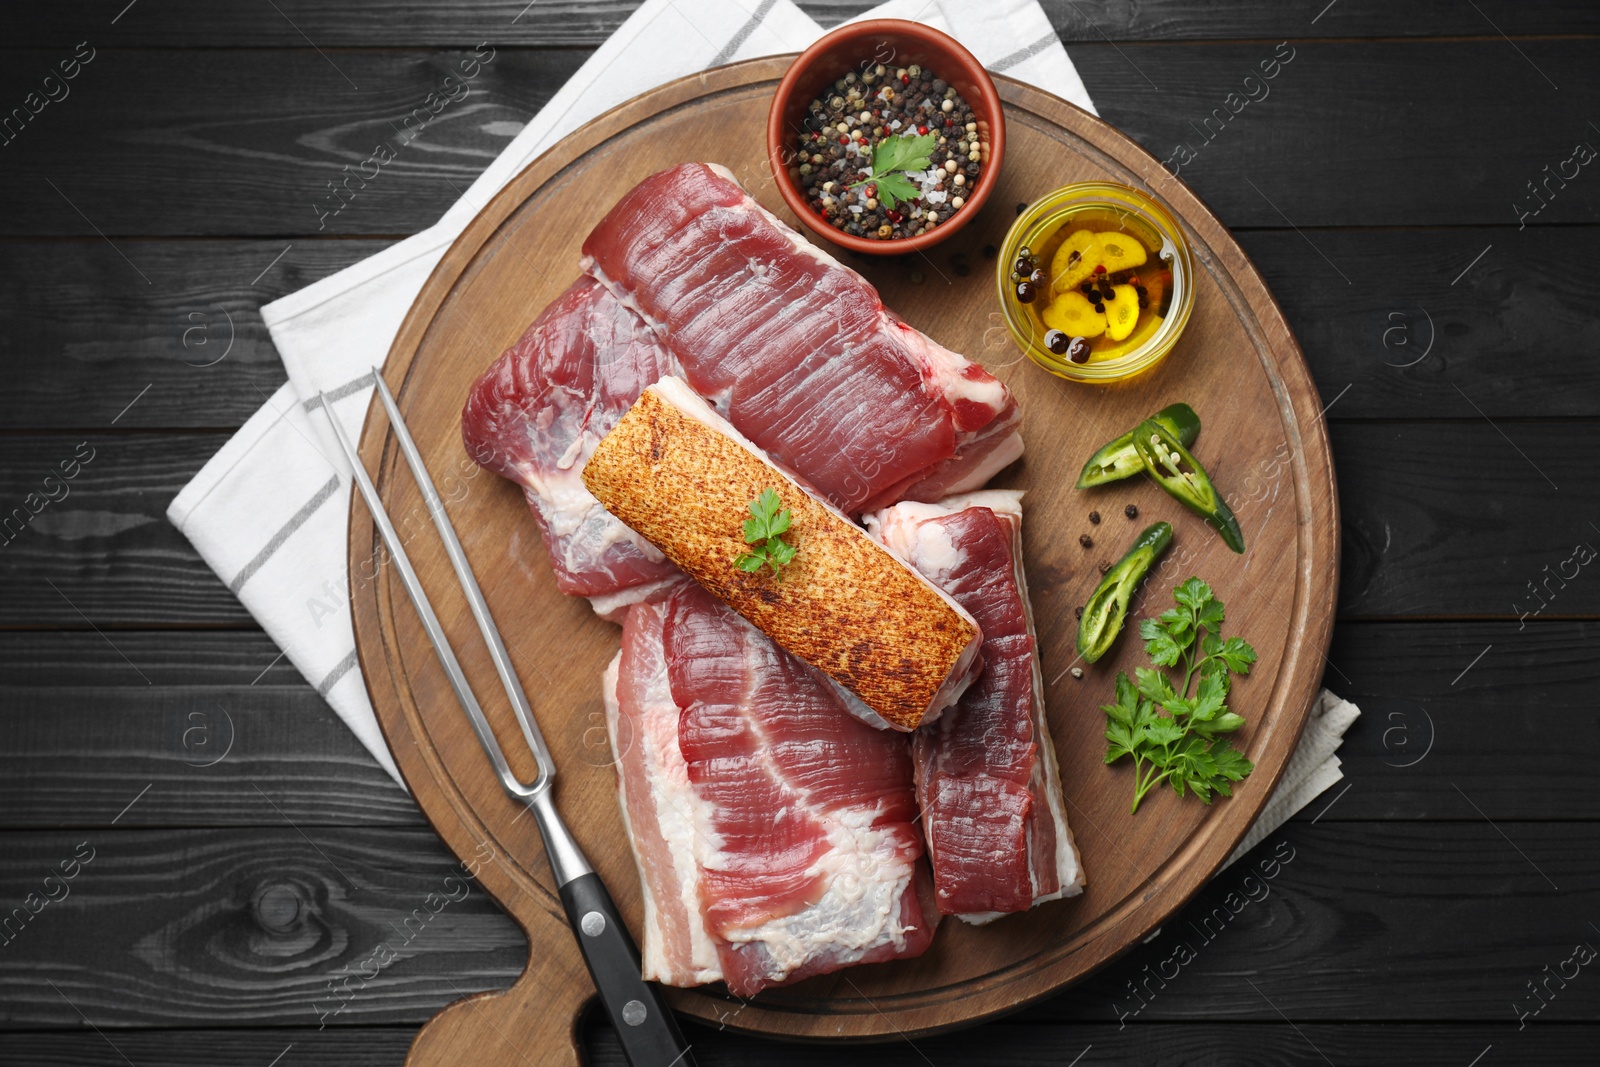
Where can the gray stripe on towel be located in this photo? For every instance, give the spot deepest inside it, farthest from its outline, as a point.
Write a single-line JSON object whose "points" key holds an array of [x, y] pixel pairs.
{"points": [[1006, 62], [744, 33], [349, 388], [344, 667], [296, 521]]}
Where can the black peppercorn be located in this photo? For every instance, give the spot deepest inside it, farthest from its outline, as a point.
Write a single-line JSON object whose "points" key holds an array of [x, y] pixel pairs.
{"points": [[1079, 612], [1021, 208], [1131, 511], [1039, 277], [1104, 566], [1094, 517], [1078, 350], [1026, 292], [990, 251], [1085, 540], [1056, 341]]}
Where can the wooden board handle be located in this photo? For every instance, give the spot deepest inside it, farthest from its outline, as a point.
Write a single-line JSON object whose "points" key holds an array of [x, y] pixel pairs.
{"points": [[533, 1022]]}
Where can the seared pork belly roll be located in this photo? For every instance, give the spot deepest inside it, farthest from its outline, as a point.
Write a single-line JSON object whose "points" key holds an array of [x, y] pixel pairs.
{"points": [[675, 471]]}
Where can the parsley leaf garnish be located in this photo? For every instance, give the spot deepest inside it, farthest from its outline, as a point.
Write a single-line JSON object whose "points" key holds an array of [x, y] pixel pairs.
{"points": [[764, 530], [891, 158], [1185, 747]]}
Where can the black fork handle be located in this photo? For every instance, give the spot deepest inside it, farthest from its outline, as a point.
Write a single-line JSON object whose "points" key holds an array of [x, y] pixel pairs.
{"points": [[649, 1033]]}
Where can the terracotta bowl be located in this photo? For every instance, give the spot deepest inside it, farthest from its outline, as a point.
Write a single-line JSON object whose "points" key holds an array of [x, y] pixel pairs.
{"points": [[892, 42]]}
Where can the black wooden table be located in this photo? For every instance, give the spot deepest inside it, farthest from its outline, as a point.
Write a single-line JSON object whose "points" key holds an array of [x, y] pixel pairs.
{"points": [[1413, 192]]}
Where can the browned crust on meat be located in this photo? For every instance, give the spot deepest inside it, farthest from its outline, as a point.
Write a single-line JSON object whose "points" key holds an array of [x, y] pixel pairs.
{"points": [[843, 605]]}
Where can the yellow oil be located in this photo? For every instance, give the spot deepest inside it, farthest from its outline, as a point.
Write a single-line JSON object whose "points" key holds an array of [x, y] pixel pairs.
{"points": [[1153, 274]]}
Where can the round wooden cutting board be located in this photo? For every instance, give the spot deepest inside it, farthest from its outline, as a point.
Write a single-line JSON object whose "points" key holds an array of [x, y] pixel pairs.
{"points": [[1263, 441]]}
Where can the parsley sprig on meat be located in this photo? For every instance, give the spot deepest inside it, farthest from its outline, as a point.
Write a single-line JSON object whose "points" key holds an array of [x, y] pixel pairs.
{"points": [[1174, 737], [764, 531]]}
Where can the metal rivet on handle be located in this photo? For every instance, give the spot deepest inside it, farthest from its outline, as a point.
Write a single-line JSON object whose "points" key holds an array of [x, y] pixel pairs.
{"points": [[633, 1012], [593, 924]]}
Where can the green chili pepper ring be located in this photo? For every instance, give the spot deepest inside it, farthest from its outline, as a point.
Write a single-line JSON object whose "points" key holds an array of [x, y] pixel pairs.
{"points": [[1104, 614], [1176, 471], [1118, 459]]}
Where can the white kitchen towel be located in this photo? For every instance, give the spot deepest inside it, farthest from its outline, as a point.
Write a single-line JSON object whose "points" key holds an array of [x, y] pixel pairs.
{"points": [[268, 512]]}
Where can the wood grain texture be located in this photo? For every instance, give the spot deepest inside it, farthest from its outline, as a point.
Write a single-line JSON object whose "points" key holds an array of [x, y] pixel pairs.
{"points": [[479, 301], [568, 23], [213, 928], [283, 926], [194, 756], [244, 142], [1518, 491], [76, 325], [102, 553], [81, 335], [1275, 1044]]}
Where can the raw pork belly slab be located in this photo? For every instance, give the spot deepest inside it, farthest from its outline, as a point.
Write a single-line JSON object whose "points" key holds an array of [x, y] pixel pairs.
{"points": [[773, 832], [536, 415], [986, 769], [796, 349], [674, 470]]}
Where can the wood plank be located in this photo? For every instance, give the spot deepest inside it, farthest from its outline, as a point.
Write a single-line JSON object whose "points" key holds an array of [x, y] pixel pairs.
{"points": [[248, 141], [225, 717], [79, 332], [257, 927], [1436, 716], [194, 755], [1413, 524], [1001, 1044], [1370, 921], [1515, 331], [1359, 134], [243, 142], [553, 23], [1451, 519], [199, 660], [1359, 921], [72, 757], [81, 335], [104, 554]]}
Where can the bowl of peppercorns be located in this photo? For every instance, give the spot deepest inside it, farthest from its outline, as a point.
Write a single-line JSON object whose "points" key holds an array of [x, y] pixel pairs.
{"points": [[885, 136]]}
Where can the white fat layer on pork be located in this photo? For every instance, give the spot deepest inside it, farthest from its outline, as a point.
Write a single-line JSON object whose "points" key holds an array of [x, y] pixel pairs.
{"points": [[580, 527], [680, 820], [864, 869], [997, 459], [677, 393], [1069, 866], [612, 606], [910, 530], [947, 371]]}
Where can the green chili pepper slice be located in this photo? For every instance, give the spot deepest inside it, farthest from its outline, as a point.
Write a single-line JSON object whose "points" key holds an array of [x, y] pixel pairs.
{"points": [[1108, 607], [1176, 471], [1118, 459]]}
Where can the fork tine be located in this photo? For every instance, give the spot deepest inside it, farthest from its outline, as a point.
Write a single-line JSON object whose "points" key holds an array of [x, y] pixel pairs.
{"points": [[469, 585], [430, 621]]}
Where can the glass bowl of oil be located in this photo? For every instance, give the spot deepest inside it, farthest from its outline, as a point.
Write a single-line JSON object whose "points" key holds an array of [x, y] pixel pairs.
{"points": [[1095, 281]]}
